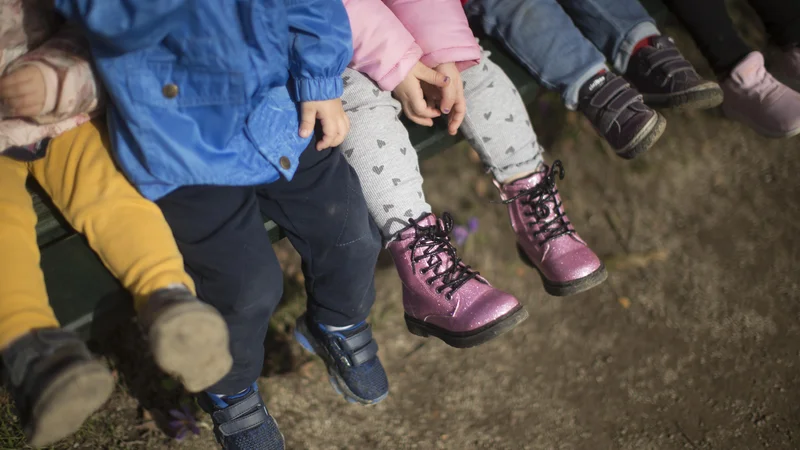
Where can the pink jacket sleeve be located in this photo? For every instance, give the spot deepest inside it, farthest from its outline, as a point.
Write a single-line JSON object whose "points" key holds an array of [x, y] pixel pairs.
{"points": [[71, 86], [382, 48], [441, 29]]}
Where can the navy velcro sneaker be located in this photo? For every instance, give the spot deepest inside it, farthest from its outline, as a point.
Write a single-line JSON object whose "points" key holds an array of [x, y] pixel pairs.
{"points": [[351, 356]]}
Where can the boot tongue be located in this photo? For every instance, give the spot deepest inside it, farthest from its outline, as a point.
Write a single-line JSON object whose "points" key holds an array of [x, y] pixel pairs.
{"points": [[515, 187]]}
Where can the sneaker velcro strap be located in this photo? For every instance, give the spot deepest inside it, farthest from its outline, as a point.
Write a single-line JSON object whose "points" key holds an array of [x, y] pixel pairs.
{"points": [[244, 423], [232, 412], [615, 108], [358, 340], [678, 65], [622, 101], [365, 353], [664, 55], [608, 91]]}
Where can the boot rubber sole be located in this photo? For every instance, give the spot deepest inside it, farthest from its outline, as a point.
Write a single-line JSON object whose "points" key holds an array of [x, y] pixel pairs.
{"points": [[645, 139], [190, 342], [705, 96], [67, 401], [772, 134], [471, 338], [571, 287], [303, 337]]}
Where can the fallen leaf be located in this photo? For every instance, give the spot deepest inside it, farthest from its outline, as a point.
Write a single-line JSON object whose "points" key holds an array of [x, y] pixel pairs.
{"points": [[625, 302], [444, 437], [521, 271], [474, 157]]}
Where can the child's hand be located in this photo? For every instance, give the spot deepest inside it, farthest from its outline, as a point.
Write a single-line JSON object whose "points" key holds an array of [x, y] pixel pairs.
{"points": [[331, 115], [22, 93], [409, 93], [450, 98]]}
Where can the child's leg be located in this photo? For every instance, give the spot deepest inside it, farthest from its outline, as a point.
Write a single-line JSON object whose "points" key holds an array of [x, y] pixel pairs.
{"points": [[451, 303], [24, 305], [544, 38], [613, 26], [221, 234], [325, 217], [380, 151], [55, 382], [628, 36], [713, 31], [541, 35], [127, 231], [497, 124], [133, 240]]}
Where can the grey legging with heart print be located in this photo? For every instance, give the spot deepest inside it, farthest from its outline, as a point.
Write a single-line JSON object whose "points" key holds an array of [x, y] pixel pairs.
{"points": [[379, 149]]}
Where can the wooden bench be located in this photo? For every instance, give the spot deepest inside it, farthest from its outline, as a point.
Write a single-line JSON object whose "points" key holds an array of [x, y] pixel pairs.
{"points": [[87, 299]]}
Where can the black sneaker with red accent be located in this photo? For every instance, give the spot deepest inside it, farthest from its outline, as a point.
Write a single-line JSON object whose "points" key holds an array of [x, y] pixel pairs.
{"points": [[667, 80]]}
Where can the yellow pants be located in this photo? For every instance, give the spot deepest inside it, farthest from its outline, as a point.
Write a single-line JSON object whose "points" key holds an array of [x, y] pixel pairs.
{"points": [[128, 232]]}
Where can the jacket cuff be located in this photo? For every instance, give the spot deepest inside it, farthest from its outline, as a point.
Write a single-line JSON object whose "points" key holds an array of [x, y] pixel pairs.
{"points": [[399, 72], [317, 89], [464, 57]]}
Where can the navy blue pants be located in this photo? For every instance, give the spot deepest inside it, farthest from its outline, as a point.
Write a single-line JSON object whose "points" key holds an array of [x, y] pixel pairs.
{"points": [[220, 231]]}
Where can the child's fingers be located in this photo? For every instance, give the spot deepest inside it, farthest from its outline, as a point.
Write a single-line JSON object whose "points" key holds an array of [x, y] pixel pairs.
{"points": [[330, 130], [340, 132], [433, 77], [325, 142], [308, 116], [425, 122], [449, 97], [22, 106], [420, 108], [15, 79], [457, 116]]}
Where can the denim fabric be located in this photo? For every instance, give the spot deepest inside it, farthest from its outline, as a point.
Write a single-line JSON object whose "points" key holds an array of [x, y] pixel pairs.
{"points": [[564, 43], [204, 92]]}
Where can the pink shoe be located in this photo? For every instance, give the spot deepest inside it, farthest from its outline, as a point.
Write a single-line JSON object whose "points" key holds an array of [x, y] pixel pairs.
{"points": [[442, 296], [789, 68], [545, 237], [757, 99]]}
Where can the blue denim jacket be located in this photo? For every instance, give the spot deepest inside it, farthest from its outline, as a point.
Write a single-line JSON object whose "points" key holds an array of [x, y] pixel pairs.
{"points": [[204, 92]]}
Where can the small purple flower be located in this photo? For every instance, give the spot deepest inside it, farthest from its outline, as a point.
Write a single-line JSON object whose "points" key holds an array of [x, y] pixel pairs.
{"points": [[460, 234], [184, 422], [472, 225]]}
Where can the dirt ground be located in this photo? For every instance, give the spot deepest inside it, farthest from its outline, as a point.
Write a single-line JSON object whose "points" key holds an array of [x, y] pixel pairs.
{"points": [[693, 343]]}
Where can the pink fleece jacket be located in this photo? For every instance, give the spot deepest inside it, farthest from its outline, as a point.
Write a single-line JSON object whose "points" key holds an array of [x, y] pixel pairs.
{"points": [[32, 35], [391, 36]]}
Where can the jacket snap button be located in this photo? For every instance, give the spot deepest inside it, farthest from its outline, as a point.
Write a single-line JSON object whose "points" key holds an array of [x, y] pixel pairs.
{"points": [[170, 90], [285, 163]]}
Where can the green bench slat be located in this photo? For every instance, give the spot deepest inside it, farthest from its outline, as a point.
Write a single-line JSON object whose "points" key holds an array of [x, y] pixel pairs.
{"points": [[81, 289]]}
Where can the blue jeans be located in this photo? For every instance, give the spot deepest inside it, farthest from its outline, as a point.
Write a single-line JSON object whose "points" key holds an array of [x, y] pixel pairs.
{"points": [[563, 43]]}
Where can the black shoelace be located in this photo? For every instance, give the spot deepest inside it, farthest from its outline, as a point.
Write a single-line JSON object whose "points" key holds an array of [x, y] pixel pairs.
{"points": [[542, 201], [434, 240]]}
